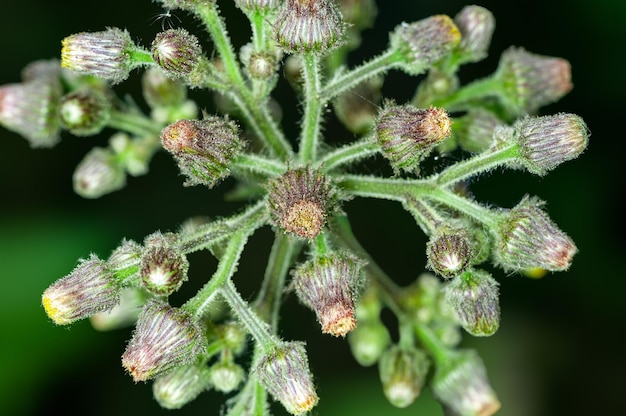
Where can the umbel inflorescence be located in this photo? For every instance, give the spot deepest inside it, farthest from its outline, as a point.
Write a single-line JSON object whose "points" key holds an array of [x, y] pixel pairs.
{"points": [[297, 185]]}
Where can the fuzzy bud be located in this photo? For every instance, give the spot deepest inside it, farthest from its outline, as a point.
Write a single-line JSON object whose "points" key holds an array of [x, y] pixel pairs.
{"points": [[305, 26], [103, 54], [358, 107], [163, 267], [546, 142], [98, 174], [474, 300], [84, 112], [329, 286], [527, 238], [359, 14], [474, 131], [300, 200], [261, 65], [203, 149], [164, 338], [124, 260], [176, 388], [176, 51], [161, 91], [368, 342], [424, 42], [449, 252], [226, 376], [402, 374], [407, 134], [285, 374], [122, 315], [461, 384], [476, 25], [88, 289]]}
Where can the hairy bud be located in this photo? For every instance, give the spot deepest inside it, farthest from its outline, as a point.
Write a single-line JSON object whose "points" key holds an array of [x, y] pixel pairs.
{"points": [[449, 252], [163, 266], [476, 25], [368, 342], [182, 385], [176, 51], [98, 174], [84, 112], [403, 374]]}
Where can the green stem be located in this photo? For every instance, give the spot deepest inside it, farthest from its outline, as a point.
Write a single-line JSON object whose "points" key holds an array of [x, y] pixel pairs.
{"points": [[426, 216], [258, 165], [350, 153], [134, 123], [140, 57], [466, 206], [382, 188], [482, 88], [310, 136], [435, 347]]}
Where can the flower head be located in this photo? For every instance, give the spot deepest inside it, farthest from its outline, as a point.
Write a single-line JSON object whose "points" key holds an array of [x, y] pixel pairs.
{"points": [[449, 252], [177, 52]]}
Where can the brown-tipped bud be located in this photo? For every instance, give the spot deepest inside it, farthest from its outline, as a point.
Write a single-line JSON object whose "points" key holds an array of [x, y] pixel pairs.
{"points": [[98, 174], [285, 374], [476, 25], [203, 149], [163, 267], [164, 338], [474, 131], [30, 110], [329, 285], [546, 142], [177, 52], [84, 112], [305, 26], [161, 91], [424, 42], [300, 200], [474, 300], [182, 385], [531, 81], [407, 134], [257, 5], [226, 376], [358, 107], [527, 238], [460, 383], [105, 54], [402, 374], [88, 289], [368, 341], [449, 252]]}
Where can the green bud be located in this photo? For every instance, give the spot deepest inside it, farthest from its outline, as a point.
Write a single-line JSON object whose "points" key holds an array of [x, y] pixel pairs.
{"points": [[161, 91], [403, 373], [226, 376], [474, 131], [98, 174], [476, 25], [84, 112], [182, 385], [368, 341], [122, 315]]}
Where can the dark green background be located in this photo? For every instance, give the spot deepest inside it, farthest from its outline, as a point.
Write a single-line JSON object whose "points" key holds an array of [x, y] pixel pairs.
{"points": [[558, 351]]}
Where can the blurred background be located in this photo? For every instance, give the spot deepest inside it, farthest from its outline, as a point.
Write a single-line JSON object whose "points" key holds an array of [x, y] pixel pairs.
{"points": [[557, 351]]}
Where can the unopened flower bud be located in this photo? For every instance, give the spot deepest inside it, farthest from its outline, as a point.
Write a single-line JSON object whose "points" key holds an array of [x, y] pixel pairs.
{"points": [[105, 54], [474, 300], [527, 238], [176, 51], [305, 26], [402, 374], [285, 374], [300, 201], [476, 25], [226, 376], [203, 149], [368, 341], [546, 142], [359, 14], [161, 91], [329, 286], [88, 289], [358, 107], [407, 134], [164, 338], [474, 131], [449, 252], [182, 385], [84, 112], [163, 267], [531, 81], [124, 260], [49, 69], [122, 315], [99, 173], [424, 42], [461, 384], [261, 65]]}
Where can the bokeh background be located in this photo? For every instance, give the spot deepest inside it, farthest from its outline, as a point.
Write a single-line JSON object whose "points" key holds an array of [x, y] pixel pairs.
{"points": [[558, 351]]}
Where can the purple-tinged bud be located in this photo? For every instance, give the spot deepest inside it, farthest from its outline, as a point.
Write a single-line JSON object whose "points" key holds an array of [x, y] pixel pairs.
{"points": [[122, 315], [88, 289], [163, 267], [424, 42], [176, 388], [527, 238], [161, 91], [358, 107], [84, 112], [105, 54], [546, 142], [329, 285], [368, 341], [403, 374], [203, 149], [300, 201], [461, 384], [285, 374], [407, 134], [226, 375], [531, 81], [474, 131], [476, 25], [164, 338], [257, 5], [177, 52], [449, 252], [99, 173], [474, 300], [309, 26]]}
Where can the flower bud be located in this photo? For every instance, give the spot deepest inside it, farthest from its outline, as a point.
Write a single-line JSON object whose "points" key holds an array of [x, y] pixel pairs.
{"points": [[305, 26], [424, 42], [226, 376], [124, 260], [407, 134], [402, 374], [285, 374], [124, 314], [461, 384], [474, 300], [105, 54], [527, 238], [300, 200], [476, 25], [48, 69], [368, 341], [546, 142], [203, 149], [449, 252], [531, 81], [357, 108], [182, 385], [99, 173], [160, 91], [84, 112], [261, 65], [163, 267], [359, 14], [474, 131], [176, 51], [164, 338], [329, 285], [88, 289]]}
